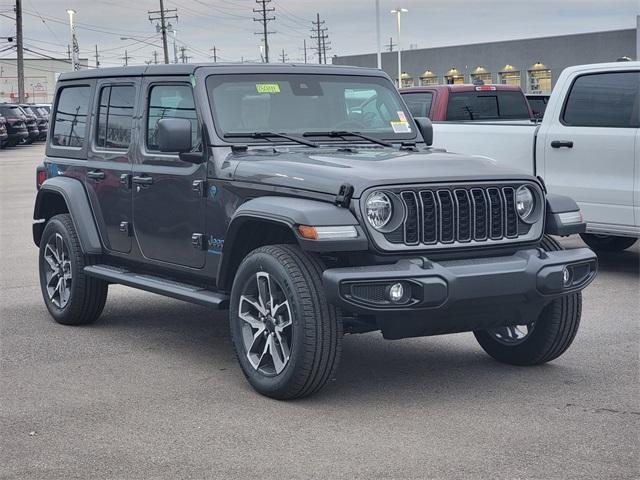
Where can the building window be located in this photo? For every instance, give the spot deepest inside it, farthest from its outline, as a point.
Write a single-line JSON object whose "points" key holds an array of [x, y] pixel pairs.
{"points": [[406, 80], [453, 77], [539, 78], [509, 76], [428, 78], [480, 75]]}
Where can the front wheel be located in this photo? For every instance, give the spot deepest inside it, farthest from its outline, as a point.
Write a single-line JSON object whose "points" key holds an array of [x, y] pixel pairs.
{"points": [[541, 341], [286, 336], [607, 243]]}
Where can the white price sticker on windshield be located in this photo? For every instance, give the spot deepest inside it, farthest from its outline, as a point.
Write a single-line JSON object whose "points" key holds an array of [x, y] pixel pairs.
{"points": [[400, 127]]}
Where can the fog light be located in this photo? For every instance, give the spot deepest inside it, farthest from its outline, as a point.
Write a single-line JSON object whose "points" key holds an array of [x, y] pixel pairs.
{"points": [[566, 277], [396, 292]]}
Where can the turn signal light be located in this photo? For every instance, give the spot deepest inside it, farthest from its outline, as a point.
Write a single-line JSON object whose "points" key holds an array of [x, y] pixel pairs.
{"points": [[338, 232]]}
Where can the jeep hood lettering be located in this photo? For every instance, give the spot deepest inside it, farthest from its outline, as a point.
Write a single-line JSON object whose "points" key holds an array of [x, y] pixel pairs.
{"points": [[324, 170]]}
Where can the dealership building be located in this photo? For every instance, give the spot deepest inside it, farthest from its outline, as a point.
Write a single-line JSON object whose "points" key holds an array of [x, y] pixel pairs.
{"points": [[533, 64], [40, 76]]}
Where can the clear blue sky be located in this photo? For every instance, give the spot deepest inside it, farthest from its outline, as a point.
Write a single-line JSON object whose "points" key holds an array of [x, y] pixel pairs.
{"points": [[228, 24]]}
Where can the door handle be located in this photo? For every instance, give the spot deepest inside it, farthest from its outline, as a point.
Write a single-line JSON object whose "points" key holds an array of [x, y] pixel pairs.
{"points": [[95, 175], [562, 143], [143, 180]]}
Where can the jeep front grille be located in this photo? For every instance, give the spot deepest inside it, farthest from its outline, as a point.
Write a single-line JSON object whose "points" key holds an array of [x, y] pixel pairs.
{"points": [[457, 215]]}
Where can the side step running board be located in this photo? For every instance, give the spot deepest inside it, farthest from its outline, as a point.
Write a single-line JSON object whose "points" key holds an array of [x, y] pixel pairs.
{"points": [[181, 291]]}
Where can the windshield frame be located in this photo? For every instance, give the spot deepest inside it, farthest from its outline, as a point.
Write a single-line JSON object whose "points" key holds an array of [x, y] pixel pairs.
{"points": [[267, 76]]}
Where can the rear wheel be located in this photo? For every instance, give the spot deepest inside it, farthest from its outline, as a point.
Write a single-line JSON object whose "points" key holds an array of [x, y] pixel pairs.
{"points": [[541, 341], [607, 243], [71, 297], [286, 336]]}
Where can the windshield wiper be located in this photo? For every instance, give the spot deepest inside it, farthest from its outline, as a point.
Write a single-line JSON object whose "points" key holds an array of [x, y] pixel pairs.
{"points": [[344, 133], [267, 135]]}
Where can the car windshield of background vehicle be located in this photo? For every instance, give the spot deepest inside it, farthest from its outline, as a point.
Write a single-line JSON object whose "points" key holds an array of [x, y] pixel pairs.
{"points": [[298, 104], [495, 105], [12, 112]]}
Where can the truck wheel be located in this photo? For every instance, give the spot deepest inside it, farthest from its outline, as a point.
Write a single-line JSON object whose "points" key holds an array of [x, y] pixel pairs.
{"points": [[541, 341], [286, 336], [607, 243], [71, 297]]}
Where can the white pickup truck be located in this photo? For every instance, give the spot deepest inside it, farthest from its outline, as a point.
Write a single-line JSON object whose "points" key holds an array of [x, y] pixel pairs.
{"points": [[587, 146]]}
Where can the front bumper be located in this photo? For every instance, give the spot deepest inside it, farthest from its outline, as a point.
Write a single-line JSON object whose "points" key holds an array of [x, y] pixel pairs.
{"points": [[463, 295]]}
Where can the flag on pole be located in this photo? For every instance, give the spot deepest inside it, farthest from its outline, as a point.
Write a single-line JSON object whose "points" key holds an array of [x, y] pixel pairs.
{"points": [[75, 57]]}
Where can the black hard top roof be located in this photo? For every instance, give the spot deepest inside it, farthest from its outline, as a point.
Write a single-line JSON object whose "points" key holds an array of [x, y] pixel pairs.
{"points": [[221, 68]]}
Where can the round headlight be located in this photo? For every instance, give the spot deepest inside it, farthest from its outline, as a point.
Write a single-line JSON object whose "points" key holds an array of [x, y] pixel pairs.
{"points": [[378, 209], [525, 202]]}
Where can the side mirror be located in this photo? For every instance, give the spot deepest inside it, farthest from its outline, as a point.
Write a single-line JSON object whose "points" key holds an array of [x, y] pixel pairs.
{"points": [[174, 135], [425, 128]]}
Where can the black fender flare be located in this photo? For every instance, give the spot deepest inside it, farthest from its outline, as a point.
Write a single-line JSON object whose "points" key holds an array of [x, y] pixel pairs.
{"points": [[563, 216], [72, 191], [290, 212]]}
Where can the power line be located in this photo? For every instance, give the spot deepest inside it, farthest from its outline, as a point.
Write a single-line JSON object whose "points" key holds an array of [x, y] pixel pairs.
{"points": [[264, 18]]}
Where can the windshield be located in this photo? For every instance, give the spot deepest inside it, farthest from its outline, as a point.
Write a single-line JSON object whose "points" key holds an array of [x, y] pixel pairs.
{"points": [[12, 112], [306, 104]]}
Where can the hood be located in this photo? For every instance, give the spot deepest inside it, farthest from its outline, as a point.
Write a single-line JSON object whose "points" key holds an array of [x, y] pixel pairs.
{"points": [[325, 169]]}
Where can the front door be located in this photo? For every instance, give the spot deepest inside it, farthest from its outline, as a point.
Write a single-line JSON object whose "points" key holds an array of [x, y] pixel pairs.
{"points": [[108, 176], [168, 203], [589, 146]]}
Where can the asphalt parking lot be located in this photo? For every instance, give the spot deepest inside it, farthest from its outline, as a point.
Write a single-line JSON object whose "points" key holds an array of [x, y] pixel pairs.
{"points": [[152, 390]]}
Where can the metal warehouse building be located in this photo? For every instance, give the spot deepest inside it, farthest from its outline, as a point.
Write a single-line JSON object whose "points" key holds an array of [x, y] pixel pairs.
{"points": [[533, 64]]}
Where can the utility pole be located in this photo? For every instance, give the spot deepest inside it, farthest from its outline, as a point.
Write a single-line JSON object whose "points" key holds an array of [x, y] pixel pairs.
{"points": [[68, 51], [19, 47], [155, 57], [391, 45], [378, 50], [264, 18], [304, 47], [97, 58], [284, 56], [183, 56], [126, 58], [215, 54], [163, 15], [320, 37]]}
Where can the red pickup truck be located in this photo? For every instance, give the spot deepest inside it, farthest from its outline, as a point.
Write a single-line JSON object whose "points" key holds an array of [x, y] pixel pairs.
{"points": [[467, 102]]}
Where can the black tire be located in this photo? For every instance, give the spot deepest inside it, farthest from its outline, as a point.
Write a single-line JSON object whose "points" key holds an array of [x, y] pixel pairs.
{"points": [[551, 335], [315, 337], [86, 295], [607, 243]]}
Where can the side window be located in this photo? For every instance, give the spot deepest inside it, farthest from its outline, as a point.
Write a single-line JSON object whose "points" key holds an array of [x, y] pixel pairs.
{"points": [[603, 100], [171, 101], [419, 103], [70, 119], [115, 114]]}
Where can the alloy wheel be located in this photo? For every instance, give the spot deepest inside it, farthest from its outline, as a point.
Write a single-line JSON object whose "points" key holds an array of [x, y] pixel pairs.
{"points": [[266, 324], [57, 271], [512, 335]]}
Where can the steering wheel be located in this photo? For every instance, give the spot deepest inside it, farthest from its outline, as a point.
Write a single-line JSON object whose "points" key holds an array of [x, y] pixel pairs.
{"points": [[349, 125]]}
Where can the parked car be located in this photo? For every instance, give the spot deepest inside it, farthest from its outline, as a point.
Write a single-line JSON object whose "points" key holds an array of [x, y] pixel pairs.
{"points": [[42, 120], [538, 103], [31, 121], [586, 147], [4, 136], [16, 124], [448, 103], [262, 189]]}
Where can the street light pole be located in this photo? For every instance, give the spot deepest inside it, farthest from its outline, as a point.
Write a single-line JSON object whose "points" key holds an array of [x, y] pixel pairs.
{"points": [[398, 12], [75, 61], [378, 46]]}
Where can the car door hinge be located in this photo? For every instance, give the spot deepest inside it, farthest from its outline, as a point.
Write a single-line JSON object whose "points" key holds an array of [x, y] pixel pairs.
{"points": [[125, 181], [199, 186], [125, 227], [198, 241], [343, 198]]}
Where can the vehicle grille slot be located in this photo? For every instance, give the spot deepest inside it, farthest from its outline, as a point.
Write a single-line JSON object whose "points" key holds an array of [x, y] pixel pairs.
{"points": [[429, 217], [463, 208], [480, 214], [511, 216], [496, 213], [447, 216], [411, 224]]}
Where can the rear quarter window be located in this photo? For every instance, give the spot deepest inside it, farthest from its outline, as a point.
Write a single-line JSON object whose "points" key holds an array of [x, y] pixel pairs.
{"points": [[70, 118], [603, 100], [487, 105]]}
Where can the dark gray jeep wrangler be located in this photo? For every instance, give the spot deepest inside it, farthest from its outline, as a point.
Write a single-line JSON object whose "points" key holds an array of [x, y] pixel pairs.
{"points": [[307, 201]]}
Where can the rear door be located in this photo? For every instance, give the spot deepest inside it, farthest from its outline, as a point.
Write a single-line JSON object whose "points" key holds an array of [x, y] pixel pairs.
{"points": [[168, 201], [108, 177], [590, 143]]}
